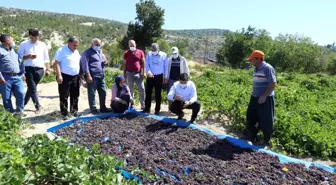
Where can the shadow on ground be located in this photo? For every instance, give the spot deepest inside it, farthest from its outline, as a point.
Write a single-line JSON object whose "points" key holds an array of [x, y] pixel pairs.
{"points": [[222, 149], [45, 118], [158, 126], [49, 97]]}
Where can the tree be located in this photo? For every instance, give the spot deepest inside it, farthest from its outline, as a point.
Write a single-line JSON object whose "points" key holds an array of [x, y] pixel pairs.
{"points": [[147, 27], [182, 45], [164, 46]]}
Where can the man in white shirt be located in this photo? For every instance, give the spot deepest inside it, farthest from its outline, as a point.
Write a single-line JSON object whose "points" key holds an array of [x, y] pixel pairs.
{"points": [[36, 61], [184, 96], [157, 74], [67, 65]]}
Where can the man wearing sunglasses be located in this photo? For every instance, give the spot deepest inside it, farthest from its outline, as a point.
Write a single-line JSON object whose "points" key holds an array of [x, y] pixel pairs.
{"points": [[92, 66]]}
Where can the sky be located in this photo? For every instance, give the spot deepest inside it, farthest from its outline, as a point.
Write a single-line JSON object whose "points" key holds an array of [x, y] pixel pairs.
{"points": [[312, 18]]}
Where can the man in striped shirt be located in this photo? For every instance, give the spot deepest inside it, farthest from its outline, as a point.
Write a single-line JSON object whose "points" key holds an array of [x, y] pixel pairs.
{"points": [[261, 107]]}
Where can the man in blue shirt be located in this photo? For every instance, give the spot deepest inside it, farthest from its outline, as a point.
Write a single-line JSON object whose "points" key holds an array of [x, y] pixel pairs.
{"points": [[157, 73], [92, 66], [11, 75], [261, 107]]}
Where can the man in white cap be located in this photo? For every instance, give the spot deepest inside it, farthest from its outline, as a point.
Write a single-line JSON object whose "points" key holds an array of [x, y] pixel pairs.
{"points": [[177, 65]]}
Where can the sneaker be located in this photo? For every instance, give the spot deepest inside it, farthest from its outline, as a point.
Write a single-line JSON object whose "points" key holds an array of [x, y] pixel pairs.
{"points": [[19, 114], [249, 142], [157, 113]]}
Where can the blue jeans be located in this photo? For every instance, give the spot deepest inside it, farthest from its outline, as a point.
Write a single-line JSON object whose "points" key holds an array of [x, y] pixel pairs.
{"points": [[14, 84], [99, 85]]}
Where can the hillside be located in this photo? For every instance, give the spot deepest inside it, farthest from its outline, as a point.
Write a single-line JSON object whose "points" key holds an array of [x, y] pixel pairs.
{"points": [[56, 27]]}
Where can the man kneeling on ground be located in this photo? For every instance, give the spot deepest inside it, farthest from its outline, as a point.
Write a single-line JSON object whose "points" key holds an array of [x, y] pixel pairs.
{"points": [[184, 96]]}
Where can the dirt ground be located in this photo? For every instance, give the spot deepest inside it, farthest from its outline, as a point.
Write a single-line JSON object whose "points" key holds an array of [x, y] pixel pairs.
{"points": [[50, 115]]}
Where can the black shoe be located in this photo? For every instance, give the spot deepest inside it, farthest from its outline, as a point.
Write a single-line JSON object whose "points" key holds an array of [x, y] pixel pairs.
{"points": [[64, 118], [94, 112], [38, 109], [192, 121], [105, 110], [157, 113], [180, 117], [146, 111], [76, 114]]}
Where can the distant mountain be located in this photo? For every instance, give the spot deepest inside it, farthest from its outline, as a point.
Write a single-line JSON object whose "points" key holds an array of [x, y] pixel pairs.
{"points": [[197, 32], [57, 27]]}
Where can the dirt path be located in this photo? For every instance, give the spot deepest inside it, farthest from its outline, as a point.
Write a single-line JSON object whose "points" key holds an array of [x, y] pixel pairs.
{"points": [[50, 116]]}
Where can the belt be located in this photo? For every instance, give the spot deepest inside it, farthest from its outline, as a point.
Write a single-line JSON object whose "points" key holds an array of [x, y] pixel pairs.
{"points": [[10, 74], [34, 67]]}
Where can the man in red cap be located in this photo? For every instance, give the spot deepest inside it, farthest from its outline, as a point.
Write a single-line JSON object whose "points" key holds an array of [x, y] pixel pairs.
{"points": [[261, 107]]}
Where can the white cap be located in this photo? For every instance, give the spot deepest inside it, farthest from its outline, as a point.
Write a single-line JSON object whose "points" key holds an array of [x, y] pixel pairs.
{"points": [[174, 50]]}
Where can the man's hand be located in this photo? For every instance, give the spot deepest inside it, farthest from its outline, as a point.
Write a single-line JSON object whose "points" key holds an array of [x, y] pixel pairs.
{"points": [[177, 97], [186, 104], [123, 102], [47, 72], [59, 79], [165, 81], [29, 56], [2, 81], [143, 76], [24, 77], [33, 56], [89, 79], [262, 99], [150, 75]]}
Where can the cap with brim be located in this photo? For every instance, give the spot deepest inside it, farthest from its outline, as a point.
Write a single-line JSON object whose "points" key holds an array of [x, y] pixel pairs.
{"points": [[174, 50], [256, 54]]}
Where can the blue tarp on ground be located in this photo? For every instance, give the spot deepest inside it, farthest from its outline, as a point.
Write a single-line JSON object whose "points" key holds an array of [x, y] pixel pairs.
{"points": [[237, 142]]}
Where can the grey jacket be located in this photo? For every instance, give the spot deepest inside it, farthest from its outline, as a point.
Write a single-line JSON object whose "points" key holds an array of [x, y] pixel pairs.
{"points": [[183, 67]]}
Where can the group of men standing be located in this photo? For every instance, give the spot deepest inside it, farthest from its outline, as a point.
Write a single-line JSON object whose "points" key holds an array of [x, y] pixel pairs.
{"points": [[28, 64], [31, 63], [159, 69]]}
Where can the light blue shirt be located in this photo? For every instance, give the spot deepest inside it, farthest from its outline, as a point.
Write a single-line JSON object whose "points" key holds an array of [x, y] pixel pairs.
{"points": [[9, 61], [69, 61], [157, 64]]}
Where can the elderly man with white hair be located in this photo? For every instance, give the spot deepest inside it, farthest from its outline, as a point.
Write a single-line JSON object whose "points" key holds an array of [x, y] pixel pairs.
{"points": [[93, 67]]}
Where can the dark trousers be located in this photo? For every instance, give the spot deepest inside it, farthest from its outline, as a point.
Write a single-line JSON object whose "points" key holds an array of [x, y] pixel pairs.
{"points": [[177, 108], [118, 107], [156, 83], [70, 86], [263, 114], [33, 77]]}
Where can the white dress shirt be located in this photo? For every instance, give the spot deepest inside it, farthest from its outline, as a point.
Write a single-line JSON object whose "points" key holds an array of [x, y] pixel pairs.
{"points": [[157, 64], [188, 93], [39, 48], [69, 61]]}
